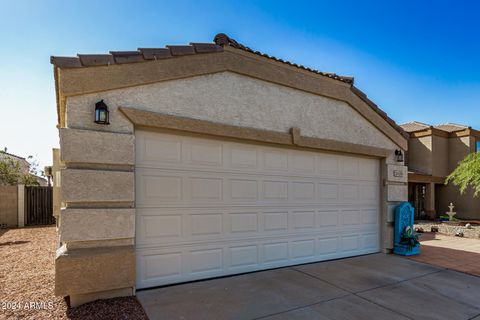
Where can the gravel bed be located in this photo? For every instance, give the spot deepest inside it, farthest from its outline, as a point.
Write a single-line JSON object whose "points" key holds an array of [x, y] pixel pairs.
{"points": [[449, 229], [27, 275]]}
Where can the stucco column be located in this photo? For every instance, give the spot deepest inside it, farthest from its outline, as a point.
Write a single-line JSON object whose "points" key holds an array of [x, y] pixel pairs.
{"points": [[95, 207], [21, 205], [394, 191], [430, 200]]}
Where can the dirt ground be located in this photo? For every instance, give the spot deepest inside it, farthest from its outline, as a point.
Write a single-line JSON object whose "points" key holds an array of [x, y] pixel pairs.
{"points": [[27, 278]]}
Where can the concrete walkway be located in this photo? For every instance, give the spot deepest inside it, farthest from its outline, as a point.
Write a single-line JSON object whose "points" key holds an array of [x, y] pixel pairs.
{"points": [[460, 254], [368, 287]]}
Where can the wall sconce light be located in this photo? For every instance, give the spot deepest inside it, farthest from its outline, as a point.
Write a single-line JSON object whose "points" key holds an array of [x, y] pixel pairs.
{"points": [[399, 155], [101, 113]]}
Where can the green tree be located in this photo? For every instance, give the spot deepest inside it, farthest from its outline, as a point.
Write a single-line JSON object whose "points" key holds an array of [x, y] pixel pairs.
{"points": [[467, 174], [11, 172]]}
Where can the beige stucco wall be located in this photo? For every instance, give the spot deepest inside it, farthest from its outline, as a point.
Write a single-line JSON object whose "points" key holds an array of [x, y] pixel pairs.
{"points": [[467, 206], [420, 154], [459, 148], [8, 206], [97, 224], [102, 186], [440, 156], [56, 184], [230, 98], [94, 147]]}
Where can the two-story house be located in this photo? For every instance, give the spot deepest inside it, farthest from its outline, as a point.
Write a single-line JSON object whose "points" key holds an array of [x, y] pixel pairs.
{"points": [[433, 153]]}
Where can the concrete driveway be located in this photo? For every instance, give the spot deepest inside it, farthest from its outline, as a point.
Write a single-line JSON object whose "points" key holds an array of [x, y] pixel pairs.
{"points": [[374, 286]]}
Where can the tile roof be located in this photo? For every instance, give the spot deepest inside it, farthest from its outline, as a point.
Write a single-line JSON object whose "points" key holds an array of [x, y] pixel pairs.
{"points": [[220, 41], [224, 40], [11, 155], [451, 127], [140, 55], [414, 126], [143, 54]]}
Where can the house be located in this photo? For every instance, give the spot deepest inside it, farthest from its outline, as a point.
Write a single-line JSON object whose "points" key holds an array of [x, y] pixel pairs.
{"points": [[433, 153], [210, 159], [24, 166], [22, 162]]}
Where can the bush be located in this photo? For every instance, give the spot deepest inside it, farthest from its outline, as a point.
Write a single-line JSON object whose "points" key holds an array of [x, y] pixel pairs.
{"points": [[467, 174]]}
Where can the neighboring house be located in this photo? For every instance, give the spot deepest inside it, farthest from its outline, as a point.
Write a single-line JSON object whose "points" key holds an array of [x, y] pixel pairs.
{"points": [[24, 166], [23, 163], [217, 160], [433, 153]]}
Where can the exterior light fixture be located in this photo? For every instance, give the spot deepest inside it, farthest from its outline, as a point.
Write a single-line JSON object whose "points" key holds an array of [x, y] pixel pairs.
{"points": [[399, 155], [101, 113]]}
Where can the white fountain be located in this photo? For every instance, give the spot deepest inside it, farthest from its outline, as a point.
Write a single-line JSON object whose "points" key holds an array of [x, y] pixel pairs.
{"points": [[451, 213]]}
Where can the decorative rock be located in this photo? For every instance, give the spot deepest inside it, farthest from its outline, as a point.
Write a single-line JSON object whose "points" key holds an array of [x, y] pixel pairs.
{"points": [[468, 226], [419, 230], [450, 229], [459, 234], [434, 229]]}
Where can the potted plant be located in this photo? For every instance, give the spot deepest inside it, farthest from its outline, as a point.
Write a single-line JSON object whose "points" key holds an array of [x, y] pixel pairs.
{"points": [[409, 239]]}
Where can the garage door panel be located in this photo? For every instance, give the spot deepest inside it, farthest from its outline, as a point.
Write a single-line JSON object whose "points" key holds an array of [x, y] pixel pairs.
{"points": [[191, 153], [184, 226], [208, 207], [180, 187], [164, 266]]}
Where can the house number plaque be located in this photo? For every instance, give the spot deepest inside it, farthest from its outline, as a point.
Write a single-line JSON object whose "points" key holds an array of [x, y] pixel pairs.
{"points": [[398, 173]]}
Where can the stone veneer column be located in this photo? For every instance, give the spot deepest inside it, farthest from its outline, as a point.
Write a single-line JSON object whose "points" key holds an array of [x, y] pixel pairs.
{"points": [[394, 191], [96, 256]]}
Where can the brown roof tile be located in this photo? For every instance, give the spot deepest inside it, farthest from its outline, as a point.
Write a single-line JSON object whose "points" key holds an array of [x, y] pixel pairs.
{"points": [[181, 50], [451, 127], [66, 62], [127, 56], [206, 47], [415, 126], [220, 41], [96, 59], [155, 53]]}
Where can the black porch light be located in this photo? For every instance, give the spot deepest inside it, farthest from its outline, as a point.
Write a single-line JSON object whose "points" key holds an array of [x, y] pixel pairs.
{"points": [[399, 155], [101, 113]]}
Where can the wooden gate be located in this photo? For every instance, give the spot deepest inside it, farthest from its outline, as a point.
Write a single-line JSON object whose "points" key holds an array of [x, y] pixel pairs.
{"points": [[38, 206]]}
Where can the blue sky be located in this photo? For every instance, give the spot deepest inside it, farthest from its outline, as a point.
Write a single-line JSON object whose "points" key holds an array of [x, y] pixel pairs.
{"points": [[418, 60]]}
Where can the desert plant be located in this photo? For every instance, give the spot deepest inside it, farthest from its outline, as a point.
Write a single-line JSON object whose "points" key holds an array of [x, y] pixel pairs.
{"points": [[467, 174], [409, 239]]}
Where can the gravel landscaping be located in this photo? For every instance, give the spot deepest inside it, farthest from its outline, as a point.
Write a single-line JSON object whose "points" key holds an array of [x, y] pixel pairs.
{"points": [[449, 229], [27, 281]]}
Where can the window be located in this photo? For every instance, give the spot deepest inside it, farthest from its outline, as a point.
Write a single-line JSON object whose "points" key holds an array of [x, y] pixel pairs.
{"points": [[477, 149]]}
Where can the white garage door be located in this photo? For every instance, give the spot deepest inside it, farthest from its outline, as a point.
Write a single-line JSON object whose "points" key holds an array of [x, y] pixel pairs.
{"points": [[208, 208]]}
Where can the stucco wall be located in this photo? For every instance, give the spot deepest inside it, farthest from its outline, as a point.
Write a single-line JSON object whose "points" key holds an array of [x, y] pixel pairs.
{"points": [[420, 154], [8, 206], [466, 206], [459, 148], [233, 99], [440, 156]]}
